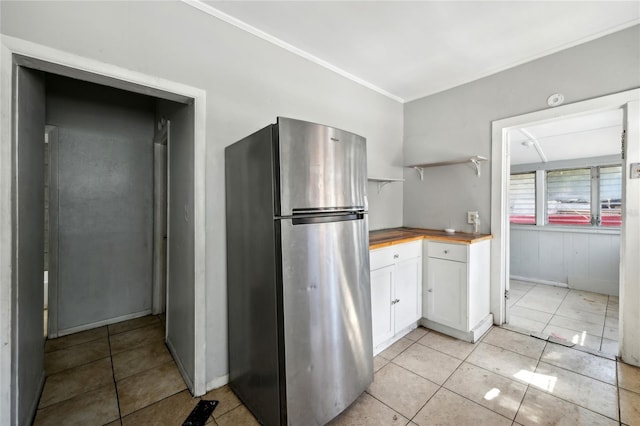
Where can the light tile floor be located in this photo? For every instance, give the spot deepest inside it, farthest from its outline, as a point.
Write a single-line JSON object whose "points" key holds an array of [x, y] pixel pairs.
{"points": [[425, 378], [586, 319]]}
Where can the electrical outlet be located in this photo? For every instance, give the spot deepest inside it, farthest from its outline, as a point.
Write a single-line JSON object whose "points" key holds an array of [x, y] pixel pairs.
{"points": [[471, 217]]}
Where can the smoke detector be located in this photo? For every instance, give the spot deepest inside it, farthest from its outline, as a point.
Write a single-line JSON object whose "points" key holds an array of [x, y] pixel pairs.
{"points": [[555, 99]]}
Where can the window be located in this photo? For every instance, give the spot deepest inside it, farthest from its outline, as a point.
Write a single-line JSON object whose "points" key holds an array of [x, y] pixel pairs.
{"points": [[586, 196], [611, 196], [522, 198], [569, 197]]}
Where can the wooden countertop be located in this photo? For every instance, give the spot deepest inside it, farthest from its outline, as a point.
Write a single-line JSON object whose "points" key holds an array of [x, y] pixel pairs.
{"points": [[389, 237]]}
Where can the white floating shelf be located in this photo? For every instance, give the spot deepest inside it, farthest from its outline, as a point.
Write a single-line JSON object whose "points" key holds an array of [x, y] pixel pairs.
{"points": [[383, 181], [475, 160]]}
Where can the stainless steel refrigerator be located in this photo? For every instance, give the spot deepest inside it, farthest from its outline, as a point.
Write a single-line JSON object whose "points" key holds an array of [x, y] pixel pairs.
{"points": [[299, 301]]}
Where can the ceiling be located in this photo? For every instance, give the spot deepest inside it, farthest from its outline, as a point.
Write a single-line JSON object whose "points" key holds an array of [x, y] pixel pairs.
{"points": [[407, 50], [586, 136]]}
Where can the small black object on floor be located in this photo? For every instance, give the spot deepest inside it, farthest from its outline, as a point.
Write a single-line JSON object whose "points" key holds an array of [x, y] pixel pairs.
{"points": [[200, 413]]}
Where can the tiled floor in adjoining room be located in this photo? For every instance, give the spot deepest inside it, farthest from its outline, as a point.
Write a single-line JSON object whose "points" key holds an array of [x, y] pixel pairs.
{"points": [[123, 374], [581, 317]]}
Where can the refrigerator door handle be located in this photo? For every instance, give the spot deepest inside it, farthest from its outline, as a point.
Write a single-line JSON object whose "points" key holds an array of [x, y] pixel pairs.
{"points": [[308, 220]]}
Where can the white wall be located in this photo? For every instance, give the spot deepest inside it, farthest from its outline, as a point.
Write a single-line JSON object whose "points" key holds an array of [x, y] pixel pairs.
{"points": [[248, 82], [584, 260], [457, 123]]}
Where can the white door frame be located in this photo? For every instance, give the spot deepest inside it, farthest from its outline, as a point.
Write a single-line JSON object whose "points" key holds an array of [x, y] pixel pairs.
{"points": [[55, 61], [499, 192]]}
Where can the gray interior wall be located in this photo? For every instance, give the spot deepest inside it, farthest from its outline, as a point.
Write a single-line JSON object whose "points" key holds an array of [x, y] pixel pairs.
{"points": [[248, 83], [28, 250], [105, 195], [385, 207], [456, 123]]}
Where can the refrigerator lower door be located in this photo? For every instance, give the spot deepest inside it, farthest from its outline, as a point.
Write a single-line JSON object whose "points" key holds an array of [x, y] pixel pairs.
{"points": [[327, 317]]}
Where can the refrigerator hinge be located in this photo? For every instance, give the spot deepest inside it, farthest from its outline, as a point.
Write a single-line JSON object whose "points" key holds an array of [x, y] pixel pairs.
{"points": [[506, 295]]}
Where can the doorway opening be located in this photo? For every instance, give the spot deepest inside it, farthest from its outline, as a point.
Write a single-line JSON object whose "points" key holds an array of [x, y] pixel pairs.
{"points": [[565, 214], [101, 209], [500, 225], [182, 106]]}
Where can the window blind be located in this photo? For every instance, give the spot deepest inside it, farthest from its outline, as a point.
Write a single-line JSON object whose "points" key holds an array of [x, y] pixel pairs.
{"points": [[522, 198]]}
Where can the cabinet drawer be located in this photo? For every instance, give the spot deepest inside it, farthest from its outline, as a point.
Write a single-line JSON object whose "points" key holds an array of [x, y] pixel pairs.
{"points": [[386, 256], [457, 252]]}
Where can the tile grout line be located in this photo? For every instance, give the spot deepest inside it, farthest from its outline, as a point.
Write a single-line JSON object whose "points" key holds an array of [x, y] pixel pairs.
{"points": [[390, 361], [618, 395], [77, 365], [72, 345], [556, 396], [440, 386], [604, 326], [556, 311], [566, 400], [557, 366], [113, 375], [555, 314], [546, 342], [476, 344]]}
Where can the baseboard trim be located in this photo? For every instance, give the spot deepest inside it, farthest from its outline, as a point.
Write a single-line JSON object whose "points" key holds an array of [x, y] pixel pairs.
{"points": [[97, 324], [218, 382], [539, 281], [468, 336], [399, 335]]}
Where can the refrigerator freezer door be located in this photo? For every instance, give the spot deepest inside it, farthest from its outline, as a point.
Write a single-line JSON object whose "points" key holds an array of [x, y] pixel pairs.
{"points": [[327, 317], [321, 168]]}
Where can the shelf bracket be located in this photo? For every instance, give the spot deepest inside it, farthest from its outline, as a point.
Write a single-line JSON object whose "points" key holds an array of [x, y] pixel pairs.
{"points": [[420, 171], [477, 164], [382, 184]]}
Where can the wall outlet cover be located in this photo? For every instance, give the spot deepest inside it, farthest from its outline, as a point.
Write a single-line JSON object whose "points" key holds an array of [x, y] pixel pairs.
{"points": [[471, 217], [635, 171]]}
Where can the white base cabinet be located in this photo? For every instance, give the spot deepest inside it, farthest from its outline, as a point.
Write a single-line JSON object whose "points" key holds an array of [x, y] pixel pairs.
{"points": [[396, 288], [456, 294]]}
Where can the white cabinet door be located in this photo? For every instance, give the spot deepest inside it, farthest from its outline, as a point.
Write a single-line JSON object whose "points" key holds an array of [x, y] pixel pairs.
{"points": [[447, 292], [381, 308], [407, 296]]}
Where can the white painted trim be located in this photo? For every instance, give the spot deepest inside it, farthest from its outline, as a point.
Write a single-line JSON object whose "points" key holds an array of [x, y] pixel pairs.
{"points": [[199, 242], [6, 237], [539, 281], [210, 10], [629, 327], [218, 382], [137, 81], [500, 177], [160, 153], [397, 336], [568, 229], [97, 324]]}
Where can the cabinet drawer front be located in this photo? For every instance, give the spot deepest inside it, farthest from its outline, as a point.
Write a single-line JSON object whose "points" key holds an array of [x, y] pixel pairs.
{"points": [[457, 252], [389, 255]]}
